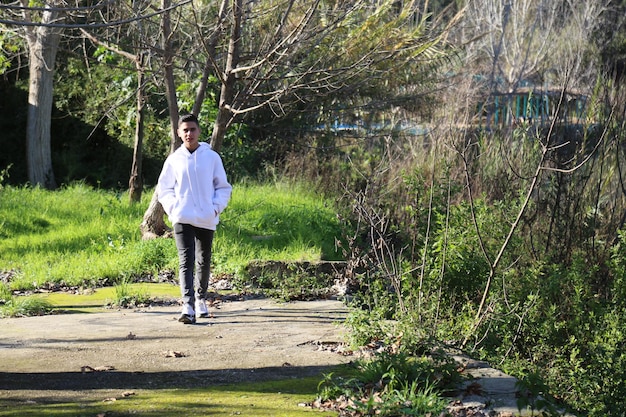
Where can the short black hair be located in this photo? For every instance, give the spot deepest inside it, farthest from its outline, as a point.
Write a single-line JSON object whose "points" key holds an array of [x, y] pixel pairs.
{"points": [[188, 118]]}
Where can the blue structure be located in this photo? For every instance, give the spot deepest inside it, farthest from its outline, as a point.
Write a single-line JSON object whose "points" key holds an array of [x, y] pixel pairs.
{"points": [[532, 105]]}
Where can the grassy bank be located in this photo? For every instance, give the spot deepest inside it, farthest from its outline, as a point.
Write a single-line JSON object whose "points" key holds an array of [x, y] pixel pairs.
{"points": [[80, 236]]}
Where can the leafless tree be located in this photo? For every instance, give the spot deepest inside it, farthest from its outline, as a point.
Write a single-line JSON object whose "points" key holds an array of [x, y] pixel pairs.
{"points": [[513, 39], [538, 40], [574, 47], [295, 53]]}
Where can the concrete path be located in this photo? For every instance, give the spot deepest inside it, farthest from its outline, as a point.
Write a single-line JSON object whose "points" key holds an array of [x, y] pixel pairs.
{"points": [[87, 355]]}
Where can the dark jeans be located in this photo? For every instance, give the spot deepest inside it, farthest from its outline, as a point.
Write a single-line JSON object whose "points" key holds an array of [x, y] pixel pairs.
{"points": [[194, 250]]}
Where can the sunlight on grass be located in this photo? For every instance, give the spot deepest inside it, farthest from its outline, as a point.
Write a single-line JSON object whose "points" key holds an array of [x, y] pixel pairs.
{"points": [[276, 222], [28, 306], [80, 236], [87, 301], [264, 399]]}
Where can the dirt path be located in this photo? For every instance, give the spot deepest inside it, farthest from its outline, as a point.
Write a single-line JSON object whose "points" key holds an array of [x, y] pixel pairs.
{"points": [[63, 355]]}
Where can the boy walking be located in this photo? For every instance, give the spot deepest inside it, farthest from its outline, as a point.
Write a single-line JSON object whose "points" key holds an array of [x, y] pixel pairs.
{"points": [[193, 190]]}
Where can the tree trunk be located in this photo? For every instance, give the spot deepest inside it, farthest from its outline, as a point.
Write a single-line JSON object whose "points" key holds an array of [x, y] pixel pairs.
{"points": [[135, 184], [153, 224], [43, 43], [168, 71], [209, 65], [224, 115]]}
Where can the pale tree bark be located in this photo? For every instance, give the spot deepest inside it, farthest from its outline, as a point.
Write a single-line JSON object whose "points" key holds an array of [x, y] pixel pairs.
{"points": [[574, 48], [542, 40], [515, 36], [43, 43]]}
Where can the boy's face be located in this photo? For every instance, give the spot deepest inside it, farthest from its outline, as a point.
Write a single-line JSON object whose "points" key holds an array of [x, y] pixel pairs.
{"points": [[189, 133]]}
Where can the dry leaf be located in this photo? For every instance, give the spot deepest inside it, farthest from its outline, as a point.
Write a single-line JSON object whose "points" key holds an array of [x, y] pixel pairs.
{"points": [[87, 368]]}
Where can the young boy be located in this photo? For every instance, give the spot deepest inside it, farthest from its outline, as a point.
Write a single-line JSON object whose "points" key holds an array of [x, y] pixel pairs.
{"points": [[193, 191]]}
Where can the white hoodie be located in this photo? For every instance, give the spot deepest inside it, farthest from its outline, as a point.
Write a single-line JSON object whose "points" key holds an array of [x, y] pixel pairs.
{"points": [[193, 188]]}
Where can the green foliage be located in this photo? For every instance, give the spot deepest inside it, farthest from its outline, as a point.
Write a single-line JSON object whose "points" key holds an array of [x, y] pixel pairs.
{"points": [[423, 251], [10, 45], [6, 294], [533, 396], [243, 156], [127, 295], [410, 400], [110, 91], [368, 318], [24, 307], [390, 385], [186, 94]]}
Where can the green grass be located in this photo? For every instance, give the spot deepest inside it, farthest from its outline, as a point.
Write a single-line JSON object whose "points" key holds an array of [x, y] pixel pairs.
{"points": [[278, 221], [80, 236], [264, 399], [25, 306], [86, 301]]}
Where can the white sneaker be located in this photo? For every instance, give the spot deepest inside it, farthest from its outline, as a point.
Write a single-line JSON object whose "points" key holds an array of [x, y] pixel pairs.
{"points": [[202, 309], [188, 316], [188, 310]]}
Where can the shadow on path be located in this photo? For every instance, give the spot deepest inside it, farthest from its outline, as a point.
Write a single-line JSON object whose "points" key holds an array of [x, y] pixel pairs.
{"points": [[13, 381]]}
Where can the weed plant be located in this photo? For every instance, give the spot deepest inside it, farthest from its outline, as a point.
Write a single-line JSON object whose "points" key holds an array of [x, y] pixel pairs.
{"points": [[5, 293], [390, 384], [24, 306], [126, 295], [81, 236]]}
